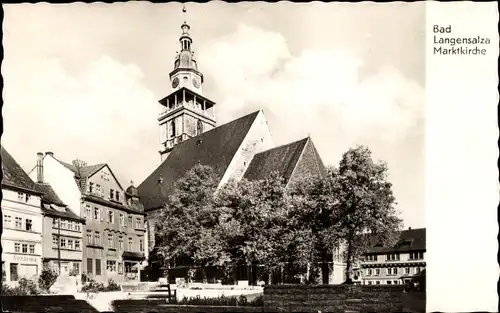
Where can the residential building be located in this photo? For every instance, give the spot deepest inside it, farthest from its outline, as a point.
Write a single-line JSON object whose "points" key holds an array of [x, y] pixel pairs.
{"points": [[114, 235], [22, 222], [397, 264], [242, 148], [62, 230]]}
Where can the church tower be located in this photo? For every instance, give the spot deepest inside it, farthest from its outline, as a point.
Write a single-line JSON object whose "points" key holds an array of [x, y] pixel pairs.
{"points": [[185, 112]]}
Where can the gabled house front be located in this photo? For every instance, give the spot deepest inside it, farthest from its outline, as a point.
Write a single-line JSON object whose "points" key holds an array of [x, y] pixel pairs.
{"points": [[114, 241]]}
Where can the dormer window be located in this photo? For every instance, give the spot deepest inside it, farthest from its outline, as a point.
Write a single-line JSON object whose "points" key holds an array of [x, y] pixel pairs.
{"points": [[117, 196], [91, 187]]}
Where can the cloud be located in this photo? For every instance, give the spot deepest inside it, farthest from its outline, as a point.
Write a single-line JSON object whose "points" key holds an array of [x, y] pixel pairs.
{"points": [[320, 92], [98, 115]]}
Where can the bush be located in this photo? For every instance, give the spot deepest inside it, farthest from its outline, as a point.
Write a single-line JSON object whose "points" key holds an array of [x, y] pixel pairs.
{"points": [[73, 272], [25, 287], [223, 301], [47, 278], [112, 286]]}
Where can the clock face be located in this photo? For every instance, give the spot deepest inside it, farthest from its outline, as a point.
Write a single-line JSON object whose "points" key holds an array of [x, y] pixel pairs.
{"points": [[196, 83], [175, 82]]}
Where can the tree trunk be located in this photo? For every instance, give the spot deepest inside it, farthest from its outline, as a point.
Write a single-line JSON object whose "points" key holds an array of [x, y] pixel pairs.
{"points": [[308, 273], [348, 263], [203, 274]]}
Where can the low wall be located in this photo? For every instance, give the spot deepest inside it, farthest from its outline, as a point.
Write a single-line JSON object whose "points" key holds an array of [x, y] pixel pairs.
{"points": [[155, 306], [333, 298], [38, 304]]}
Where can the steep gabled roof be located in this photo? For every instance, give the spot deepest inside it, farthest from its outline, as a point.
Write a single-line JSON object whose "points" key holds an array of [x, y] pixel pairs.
{"points": [[215, 148], [299, 157], [47, 209], [49, 195], [409, 240], [282, 159], [13, 174]]}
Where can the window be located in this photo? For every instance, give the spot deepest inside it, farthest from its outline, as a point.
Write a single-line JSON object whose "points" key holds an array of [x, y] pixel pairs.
{"points": [[25, 248], [19, 223], [17, 247], [396, 282], [369, 282], [97, 238], [96, 214], [99, 190], [417, 270], [371, 257], [70, 225], [369, 272], [110, 241], [98, 266], [172, 127], [393, 257], [28, 197], [394, 271], [76, 267], [88, 211], [20, 196], [138, 222], [122, 220], [63, 243], [407, 270], [89, 266], [111, 194], [7, 219], [70, 244], [77, 244], [77, 226], [141, 245], [91, 189], [13, 272], [89, 237], [110, 217], [199, 128], [121, 244], [63, 223], [130, 221], [120, 268], [111, 266], [54, 239], [55, 222], [130, 244], [377, 271], [117, 195], [32, 249], [389, 282], [378, 282]]}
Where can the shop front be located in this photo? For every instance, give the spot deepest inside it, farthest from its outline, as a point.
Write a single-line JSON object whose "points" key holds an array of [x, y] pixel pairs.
{"points": [[16, 266], [132, 264]]}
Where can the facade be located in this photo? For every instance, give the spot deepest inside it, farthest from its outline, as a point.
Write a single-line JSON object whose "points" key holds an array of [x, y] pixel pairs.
{"points": [[114, 234], [395, 265], [242, 148], [22, 222], [62, 230]]}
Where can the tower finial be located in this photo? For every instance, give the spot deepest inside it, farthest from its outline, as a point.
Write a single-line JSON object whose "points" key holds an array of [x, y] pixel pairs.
{"points": [[183, 8]]}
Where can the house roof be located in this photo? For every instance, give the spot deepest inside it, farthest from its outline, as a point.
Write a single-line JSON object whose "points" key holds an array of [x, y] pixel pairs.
{"points": [[13, 174], [409, 240], [215, 148], [284, 159], [49, 195], [48, 209]]}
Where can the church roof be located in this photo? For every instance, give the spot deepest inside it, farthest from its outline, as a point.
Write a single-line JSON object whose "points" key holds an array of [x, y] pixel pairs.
{"points": [[13, 174], [285, 160], [215, 148]]}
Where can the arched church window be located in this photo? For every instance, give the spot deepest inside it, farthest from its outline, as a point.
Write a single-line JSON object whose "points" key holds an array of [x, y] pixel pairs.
{"points": [[173, 128], [199, 128]]}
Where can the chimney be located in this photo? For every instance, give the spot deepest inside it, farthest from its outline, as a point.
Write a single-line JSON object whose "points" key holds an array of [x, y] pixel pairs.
{"points": [[39, 167], [49, 153], [409, 228]]}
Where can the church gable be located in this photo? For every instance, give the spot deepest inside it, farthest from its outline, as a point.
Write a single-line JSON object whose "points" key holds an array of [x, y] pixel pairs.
{"points": [[292, 161], [309, 163], [215, 148]]}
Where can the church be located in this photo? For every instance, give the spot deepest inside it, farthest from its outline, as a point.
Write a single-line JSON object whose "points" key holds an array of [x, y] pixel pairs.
{"points": [[242, 148]]}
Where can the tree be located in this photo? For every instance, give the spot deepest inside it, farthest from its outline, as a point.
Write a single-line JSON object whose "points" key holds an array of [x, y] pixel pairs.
{"points": [[185, 227], [255, 219], [363, 204], [47, 278]]}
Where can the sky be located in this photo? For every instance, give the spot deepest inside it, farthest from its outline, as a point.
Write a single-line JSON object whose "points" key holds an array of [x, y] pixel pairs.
{"points": [[83, 80]]}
